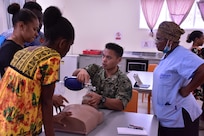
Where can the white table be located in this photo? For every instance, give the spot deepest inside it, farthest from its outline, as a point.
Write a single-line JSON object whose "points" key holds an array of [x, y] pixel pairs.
{"points": [[146, 78], [120, 119], [112, 119], [74, 97]]}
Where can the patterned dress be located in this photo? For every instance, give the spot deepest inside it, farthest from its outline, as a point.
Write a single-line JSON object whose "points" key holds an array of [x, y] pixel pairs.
{"points": [[20, 104], [198, 93]]}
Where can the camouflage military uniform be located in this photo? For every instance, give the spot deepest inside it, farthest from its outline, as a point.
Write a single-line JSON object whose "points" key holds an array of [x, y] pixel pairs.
{"points": [[118, 86]]}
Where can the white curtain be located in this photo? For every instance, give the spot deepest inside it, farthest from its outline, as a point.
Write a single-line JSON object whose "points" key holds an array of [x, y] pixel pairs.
{"points": [[151, 10], [201, 8], [5, 5], [179, 9]]}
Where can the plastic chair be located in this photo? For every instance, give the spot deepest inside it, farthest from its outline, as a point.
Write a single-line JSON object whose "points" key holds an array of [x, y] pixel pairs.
{"points": [[133, 103], [150, 68]]}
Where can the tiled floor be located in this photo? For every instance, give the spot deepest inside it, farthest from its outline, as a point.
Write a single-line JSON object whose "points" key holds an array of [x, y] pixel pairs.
{"points": [[142, 108]]}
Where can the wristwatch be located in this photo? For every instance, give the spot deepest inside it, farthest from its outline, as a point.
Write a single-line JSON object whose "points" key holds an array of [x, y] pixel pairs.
{"points": [[103, 100]]}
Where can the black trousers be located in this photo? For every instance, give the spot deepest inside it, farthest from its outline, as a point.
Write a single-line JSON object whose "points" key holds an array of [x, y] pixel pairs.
{"points": [[190, 129]]}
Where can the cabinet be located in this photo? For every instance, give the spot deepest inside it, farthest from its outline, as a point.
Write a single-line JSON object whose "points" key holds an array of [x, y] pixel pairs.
{"points": [[68, 65], [86, 60], [154, 61], [122, 65]]}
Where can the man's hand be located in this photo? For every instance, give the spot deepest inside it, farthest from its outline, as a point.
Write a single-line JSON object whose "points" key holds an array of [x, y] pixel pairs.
{"points": [[58, 100], [83, 76], [92, 99]]}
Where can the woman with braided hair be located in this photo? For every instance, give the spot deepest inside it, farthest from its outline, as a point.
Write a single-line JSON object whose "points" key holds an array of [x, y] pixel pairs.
{"points": [[178, 74]]}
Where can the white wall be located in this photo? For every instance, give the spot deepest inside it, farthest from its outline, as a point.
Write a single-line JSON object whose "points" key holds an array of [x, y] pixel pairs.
{"points": [[3, 24], [97, 21]]}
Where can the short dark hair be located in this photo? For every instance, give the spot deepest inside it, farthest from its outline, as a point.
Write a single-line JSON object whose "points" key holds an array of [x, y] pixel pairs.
{"points": [[36, 9], [193, 35], [115, 47], [32, 5]]}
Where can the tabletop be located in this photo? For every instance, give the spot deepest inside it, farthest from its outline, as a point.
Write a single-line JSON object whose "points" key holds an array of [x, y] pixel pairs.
{"points": [[145, 77], [120, 119], [112, 119]]}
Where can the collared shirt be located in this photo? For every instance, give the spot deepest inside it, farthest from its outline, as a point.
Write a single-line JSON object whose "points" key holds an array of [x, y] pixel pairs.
{"points": [[117, 86], [172, 73]]}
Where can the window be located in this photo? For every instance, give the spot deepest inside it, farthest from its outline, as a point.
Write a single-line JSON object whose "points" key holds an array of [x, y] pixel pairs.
{"points": [[192, 21]]}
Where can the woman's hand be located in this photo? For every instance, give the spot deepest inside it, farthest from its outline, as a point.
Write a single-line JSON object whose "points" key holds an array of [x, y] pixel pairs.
{"points": [[58, 100]]}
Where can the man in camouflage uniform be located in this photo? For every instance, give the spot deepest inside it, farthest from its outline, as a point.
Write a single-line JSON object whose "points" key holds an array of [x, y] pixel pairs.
{"points": [[113, 88]]}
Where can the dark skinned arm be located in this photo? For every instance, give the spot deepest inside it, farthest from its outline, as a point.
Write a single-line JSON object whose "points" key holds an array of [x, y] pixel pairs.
{"points": [[47, 108], [197, 80]]}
